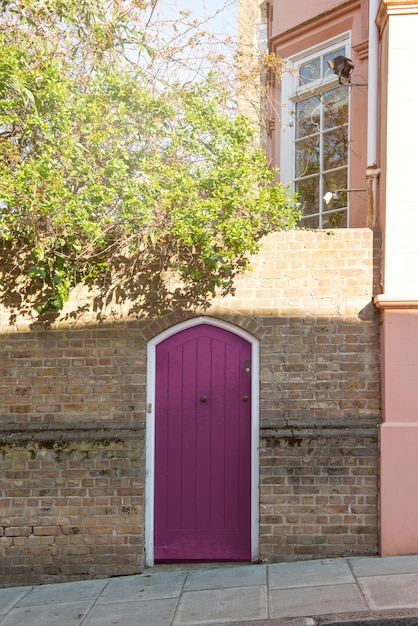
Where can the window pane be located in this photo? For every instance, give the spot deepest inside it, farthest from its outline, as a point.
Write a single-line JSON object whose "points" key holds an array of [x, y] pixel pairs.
{"points": [[311, 222], [335, 107], [336, 219], [310, 71], [307, 156], [330, 57], [333, 181], [308, 191], [308, 117], [335, 148]]}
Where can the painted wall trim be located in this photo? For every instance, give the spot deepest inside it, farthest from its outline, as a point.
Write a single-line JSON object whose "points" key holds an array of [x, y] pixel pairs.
{"points": [[394, 7], [383, 301], [150, 430], [318, 21]]}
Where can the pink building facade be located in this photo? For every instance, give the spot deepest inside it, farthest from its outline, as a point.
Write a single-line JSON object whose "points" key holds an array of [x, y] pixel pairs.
{"points": [[345, 138]]}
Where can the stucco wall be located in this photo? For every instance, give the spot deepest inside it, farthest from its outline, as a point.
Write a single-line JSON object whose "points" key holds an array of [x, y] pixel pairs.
{"points": [[73, 413]]}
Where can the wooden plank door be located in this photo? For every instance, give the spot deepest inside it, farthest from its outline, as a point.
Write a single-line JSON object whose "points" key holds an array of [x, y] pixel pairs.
{"points": [[203, 447]]}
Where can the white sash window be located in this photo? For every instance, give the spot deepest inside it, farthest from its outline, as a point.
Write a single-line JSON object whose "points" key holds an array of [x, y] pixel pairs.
{"points": [[315, 128]]}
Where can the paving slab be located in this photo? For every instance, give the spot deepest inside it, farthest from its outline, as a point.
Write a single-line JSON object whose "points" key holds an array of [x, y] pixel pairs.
{"points": [[290, 621], [394, 621], [246, 576], [309, 600], [63, 613], [216, 606], [371, 566], [390, 591], [143, 587], [10, 596], [309, 573], [146, 613], [63, 592]]}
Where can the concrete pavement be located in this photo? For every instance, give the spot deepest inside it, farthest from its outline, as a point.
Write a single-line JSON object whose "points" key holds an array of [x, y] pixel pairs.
{"points": [[307, 593]]}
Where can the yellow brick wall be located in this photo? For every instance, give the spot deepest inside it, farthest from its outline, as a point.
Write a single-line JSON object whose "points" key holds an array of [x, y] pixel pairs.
{"points": [[73, 411]]}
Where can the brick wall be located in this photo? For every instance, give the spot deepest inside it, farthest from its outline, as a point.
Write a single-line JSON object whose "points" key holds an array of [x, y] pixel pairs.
{"points": [[319, 407], [73, 412], [71, 509], [318, 493]]}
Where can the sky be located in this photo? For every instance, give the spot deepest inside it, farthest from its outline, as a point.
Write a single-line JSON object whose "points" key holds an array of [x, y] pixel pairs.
{"points": [[217, 18], [225, 21]]}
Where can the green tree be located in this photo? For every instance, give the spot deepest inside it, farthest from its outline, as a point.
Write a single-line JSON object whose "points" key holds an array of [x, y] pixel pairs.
{"points": [[104, 158]]}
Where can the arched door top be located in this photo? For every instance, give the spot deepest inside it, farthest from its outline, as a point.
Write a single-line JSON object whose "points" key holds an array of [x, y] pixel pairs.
{"points": [[203, 319]]}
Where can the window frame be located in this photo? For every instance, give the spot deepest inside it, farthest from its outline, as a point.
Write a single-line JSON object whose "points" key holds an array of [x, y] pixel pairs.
{"points": [[293, 92]]}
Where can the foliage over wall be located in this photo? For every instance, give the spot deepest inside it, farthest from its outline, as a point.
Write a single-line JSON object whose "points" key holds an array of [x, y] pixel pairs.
{"points": [[104, 161]]}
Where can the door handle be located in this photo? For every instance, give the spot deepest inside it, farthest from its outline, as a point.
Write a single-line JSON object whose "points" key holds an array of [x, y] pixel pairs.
{"points": [[203, 398], [245, 398]]}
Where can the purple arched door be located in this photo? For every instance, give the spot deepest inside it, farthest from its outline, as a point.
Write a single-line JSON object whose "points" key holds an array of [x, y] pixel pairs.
{"points": [[203, 447]]}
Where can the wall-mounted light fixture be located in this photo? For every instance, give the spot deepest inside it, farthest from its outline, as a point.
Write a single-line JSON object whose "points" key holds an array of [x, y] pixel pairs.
{"points": [[335, 195], [342, 67]]}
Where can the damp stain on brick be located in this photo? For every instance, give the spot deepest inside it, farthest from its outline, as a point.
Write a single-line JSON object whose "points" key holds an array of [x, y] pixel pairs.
{"points": [[283, 441], [54, 450], [293, 441]]}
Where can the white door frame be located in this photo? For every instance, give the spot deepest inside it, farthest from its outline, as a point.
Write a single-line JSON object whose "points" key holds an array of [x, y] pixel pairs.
{"points": [[150, 430]]}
